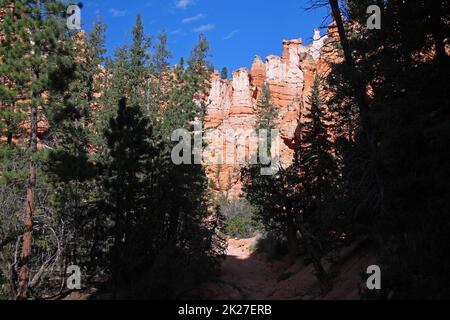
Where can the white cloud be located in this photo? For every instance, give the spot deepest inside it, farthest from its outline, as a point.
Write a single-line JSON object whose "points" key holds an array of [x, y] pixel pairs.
{"points": [[204, 28], [117, 12], [183, 4], [192, 19], [175, 32], [230, 35]]}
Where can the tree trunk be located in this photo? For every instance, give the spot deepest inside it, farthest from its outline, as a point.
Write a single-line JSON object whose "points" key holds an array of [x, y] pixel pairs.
{"points": [[117, 250], [174, 219], [292, 240], [9, 137], [30, 203], [11, 125], [30, 206], [342, 36], [360, 90], [321, 274]]}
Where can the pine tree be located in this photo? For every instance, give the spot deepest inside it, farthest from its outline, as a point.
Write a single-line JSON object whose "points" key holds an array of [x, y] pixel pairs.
{"points": [[159, 84], [318, 174], [224, 73], [160, 57], [266, 111], [191, 241], [198, 72], [42, 64], [74, 129], [185, 108], [131, 161], [12, 78], [139, 57], [189, 87], [317, 163], [115, 87], [272, 195], [406, 113]]}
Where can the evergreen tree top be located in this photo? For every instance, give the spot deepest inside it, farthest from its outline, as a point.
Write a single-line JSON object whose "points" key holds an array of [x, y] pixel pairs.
{"points": [[266, 111]]}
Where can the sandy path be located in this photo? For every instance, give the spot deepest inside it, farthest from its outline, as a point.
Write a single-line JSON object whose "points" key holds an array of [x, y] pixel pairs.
{"points": [[244, 275], [248, 276]]}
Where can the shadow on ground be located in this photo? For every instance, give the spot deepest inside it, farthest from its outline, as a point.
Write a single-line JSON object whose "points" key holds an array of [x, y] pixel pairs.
{"points": [[249, 275]]}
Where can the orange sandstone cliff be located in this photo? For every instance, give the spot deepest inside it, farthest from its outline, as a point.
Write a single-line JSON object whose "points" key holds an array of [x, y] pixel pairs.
{"points": [[232, 102]]}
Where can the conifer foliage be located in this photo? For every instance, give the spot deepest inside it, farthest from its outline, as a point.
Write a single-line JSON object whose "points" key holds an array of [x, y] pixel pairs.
{"points": [[87, 177], [100, 187], [37, 60], [381, 178]]}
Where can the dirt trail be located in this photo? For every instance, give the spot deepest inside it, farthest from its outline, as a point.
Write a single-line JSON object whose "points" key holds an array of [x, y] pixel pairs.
{"points": [[249, 276], [244, 275], [253, 278]]}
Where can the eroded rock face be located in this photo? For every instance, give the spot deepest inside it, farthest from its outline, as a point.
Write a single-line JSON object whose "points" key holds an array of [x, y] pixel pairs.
{"points": [[242, 102], [220, 98], [258, 72], [232, 102]]}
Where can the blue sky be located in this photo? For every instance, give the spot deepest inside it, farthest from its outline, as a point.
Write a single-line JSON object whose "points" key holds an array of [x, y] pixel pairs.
{"points": [[237, 29]]}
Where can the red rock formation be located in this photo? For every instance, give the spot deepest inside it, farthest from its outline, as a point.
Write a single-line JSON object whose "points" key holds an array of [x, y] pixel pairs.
{"points": [[232, 102], [258, 73]]}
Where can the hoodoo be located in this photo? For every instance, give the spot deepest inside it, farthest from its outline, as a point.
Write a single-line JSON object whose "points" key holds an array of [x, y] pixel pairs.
{"points": [[232, 102]]}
